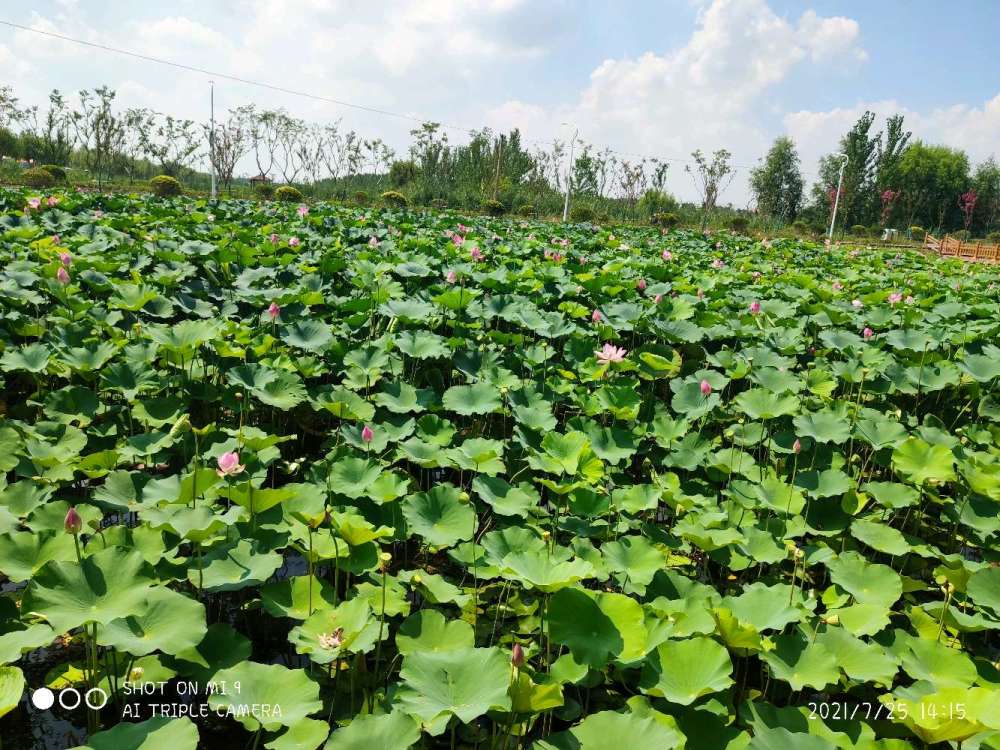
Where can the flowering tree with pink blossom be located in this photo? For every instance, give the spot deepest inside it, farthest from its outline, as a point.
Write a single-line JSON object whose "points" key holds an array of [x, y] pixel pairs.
{"points": [[888, 198], [967, 204]]}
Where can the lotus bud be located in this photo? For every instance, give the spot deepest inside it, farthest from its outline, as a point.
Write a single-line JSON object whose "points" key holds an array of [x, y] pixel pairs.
{"points": [[517, 655], [797, 447], [274, 310], [73, 523], [641, 285], [181, 425], [706, 388], [367, 434], [833, 619], [596, 316], [754, 307], [229, 464], [62, 275]]}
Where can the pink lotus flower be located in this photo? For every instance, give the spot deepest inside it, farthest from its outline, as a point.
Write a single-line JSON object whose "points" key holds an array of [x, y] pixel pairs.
{"points": [[367, 434], [909, 299], [451, 277], [294, 242], [56, 239], [547, 254], [457, 239], [856, 304], [717, 263], [66, 259], [34, 203], [517, 656], [557, 257], [754, 307], [641, 285], [868, 333], [895, 298], [667, 255], [706, 388], [62, 275], [73, 523], [596, 316], [657, 299], [53, 201], [837, 286], [274, 238], [229, 464], [610, 353], [98, 213], [372, 242], [476, 254], [797, 447], [273, 310], [464, 229], [302, 210]]}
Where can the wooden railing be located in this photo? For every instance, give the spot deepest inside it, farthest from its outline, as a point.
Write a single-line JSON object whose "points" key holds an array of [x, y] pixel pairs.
{"points": [[952, 247]]}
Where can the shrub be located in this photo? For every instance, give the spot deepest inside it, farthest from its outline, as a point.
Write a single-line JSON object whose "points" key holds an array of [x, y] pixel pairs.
{"points": [[164, 186], [37, 177], [264, 190], [917, 232], [993, 238], [656, 202], [288, 194], [800, 226], [494, 207], [739, 224], [56, 171], [439, 204], [859, 230], [525, 210], [961, 234], [361, 198], [394, 199], [666, 219], [874, 230], [402, 173], [581, 213]]}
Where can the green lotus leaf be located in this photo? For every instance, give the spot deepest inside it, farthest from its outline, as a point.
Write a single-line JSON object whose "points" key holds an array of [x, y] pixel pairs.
{"points": [[16, 641], [765, 607], [31, 358], [305, 734], [234, 567], [801, 664], [343, 403], [939, 664], [506, 500], [760, 403], [11, 689], [170, 622], [892, 494], [880, 536], [868, 583], [480, 398], [392, 731], [23, 553], [984, 588], [948, 715], [221, 648], [403, 398], [428, 630], [923, 463], [823, 427], [860, 660], [268, 695], [331, 633], [536, 569], [683, 671], [630, 730], [597, 627], [158, 732], [353, 476], [422, 345], [440, 516], [634, 561], [311, 335]]}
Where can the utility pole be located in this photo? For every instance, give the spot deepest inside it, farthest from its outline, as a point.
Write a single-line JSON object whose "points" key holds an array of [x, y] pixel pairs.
{"points": [[569, 174], [211, 135], [836, 198]]}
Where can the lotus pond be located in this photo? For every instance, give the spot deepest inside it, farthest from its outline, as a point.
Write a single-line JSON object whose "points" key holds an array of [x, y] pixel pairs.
{"points": [[323, 477]]}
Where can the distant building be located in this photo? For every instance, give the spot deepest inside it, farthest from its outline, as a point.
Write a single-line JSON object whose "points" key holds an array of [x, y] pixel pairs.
{"points": [[261, 179]]}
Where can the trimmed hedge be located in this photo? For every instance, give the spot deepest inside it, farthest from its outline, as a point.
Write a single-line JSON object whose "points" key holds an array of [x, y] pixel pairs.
{"points": [[287, 194], [165, 186], [394, 198], [37, 177]]}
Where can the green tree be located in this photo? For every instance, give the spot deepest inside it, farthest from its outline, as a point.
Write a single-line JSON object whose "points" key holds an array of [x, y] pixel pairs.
{"points": [[986, 183], [711, 178], [931, 178], [777, 183]]}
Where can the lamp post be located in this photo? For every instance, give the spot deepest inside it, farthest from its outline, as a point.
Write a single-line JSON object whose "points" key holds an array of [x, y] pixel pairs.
{"points": [[836, 198], [211, 135], [569, 173]]}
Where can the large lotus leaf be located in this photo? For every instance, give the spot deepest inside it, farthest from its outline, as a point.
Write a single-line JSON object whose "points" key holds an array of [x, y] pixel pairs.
{"points": [[393, 731], [948, 715], [152, 734], [880, 536], [766, 607], [428, 630], [505, 499], [233, 567], [32, 358], [294, 597], [800, 663], [170, 622], [268, 695], [860, 660], [311, 335], [440, 516], [892, 494], [760, 403], [823, 427], [692, 403], [648, 732], [305, 734], [534, 568], [222, 647], [23, 553], [938, 663], [634, 561], [197, 524], [465, 683], [923, 463], [868, 583], [353, 476], [11, 689], [343, 403], [480, 398], [780, 738], [683, 671], [109, 584], [403, 398], [353, 620], [422, 344], [597, 626], [984, 588], [18, 640]]}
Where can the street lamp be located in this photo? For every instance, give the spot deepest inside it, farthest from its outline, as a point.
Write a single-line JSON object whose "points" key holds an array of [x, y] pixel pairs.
{"points": [[569, 172], [211, 135], [836, 198]]}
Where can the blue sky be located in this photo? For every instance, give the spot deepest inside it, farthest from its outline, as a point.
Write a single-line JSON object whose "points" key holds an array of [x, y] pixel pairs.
{"points": [[646, 78]]}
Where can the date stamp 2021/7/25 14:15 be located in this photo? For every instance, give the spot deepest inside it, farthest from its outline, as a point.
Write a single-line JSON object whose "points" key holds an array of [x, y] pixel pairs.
{"points": [[888, 711]]}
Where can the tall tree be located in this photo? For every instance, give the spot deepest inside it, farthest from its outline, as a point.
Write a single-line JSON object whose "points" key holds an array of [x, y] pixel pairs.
{"points": [[986, 183], [777, 183], [711, 178], [931, 178]]}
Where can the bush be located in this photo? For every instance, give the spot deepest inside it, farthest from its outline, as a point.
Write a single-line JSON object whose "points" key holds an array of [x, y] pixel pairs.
{"points": [[665, 219], [739, 224], [288, 194], [37, 177], [56, 171], [581, 213], [394, 199], [993, 238], [874, 230], [859, 230], [439, 204], [402, 173], [264, 190], [656, 202], [361, 198], [917, 232], [961, 234], [164, 186], [799, 226], [494, 207], [525, 210]]}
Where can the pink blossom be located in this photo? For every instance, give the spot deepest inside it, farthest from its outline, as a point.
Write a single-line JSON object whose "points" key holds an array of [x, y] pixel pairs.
{"points": [[302, 210], [34, 203], [657, 298], [706, 388], [717, 263], [66, 259], [909, 299], [294, 242], [754, 307], [273, 310], [517, 656], [641, 285], [667, 255], [274, 238], [856, 304], [229, 464], [583, 260], [797, 446], [53, 200], [596, 316], [62, 275], [98, 213], [73, 523], [367, 434], [451, 277], [868, 333], [895, 297], [610, 353], [837, 286], [756, 275], [56, 239], [476, 254], [464, 229], [457, 239], [372, 242]]}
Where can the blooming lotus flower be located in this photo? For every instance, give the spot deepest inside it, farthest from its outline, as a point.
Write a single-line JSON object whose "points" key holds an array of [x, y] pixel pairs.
{"points": [[274, 238], [797, 447], [372, 242], [210, 217], [517, 655], [641, 285], [868, 333], [583, 260], [53, 200], [229, 464], [557, 257], [457, 239], [451, 277], [667, 255], [476, 254], [464, 229], [273, 310], [294, 242], [367, 434], [837, 286], [717, 263], [62, 275], [895, 298], [909, 299], [34, 203], [754, 307], [856, 304], [66, 259], [706, 388], [302, 210], [596, 316], [610, 353], [332, 640], [72, 523]]}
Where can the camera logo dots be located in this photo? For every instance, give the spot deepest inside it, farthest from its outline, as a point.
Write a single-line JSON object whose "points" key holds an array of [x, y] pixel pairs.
{"points": [[69, 698], [43, 698]]}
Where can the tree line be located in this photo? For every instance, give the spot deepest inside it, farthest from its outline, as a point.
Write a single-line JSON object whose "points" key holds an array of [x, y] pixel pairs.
{"points": [[889, 179]]}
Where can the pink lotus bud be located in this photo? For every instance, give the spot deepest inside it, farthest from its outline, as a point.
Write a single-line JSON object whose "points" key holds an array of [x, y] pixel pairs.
{"points": [[53, 200], [667, 255], [837, 286], [596, 316], [717, 263], [476, 254], [302, 210], [797, 447], [706, 388], [367, 434], [457, 239], [868, 333], [274, 310], [657, 299], [66, 259], [98, 213], [517, 655], [274, 238], [857, 304], [583, 260], [62, 275], [641, 285], [229, 464], [72, 523], [372, 242], [294, 242], [754, 307], [34, 203], [451, 277], [56, 239]]}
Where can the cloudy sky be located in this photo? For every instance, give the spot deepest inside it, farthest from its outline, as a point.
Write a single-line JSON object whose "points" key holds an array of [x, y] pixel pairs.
{"points": [[643, 77]]}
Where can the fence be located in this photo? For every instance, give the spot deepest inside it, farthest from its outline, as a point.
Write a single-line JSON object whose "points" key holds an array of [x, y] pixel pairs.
{"points": [[952, 247]]}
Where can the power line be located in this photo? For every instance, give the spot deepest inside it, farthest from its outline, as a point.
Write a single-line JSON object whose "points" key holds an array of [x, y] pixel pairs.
{"points": [[317, 97]]}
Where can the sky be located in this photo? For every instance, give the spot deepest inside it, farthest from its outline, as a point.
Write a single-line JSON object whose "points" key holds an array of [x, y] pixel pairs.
{"points": [[654, 79]]}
